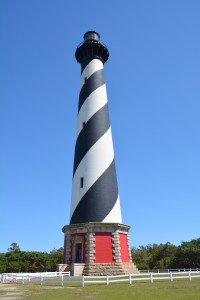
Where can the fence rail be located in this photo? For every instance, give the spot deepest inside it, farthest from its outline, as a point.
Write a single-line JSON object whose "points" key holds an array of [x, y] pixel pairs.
{"points": [[131, 278], [64, 278], [169, 270], [34, 277]]}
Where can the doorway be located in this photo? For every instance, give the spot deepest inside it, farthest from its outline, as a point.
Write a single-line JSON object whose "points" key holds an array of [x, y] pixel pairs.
{"points": [[78, 253]]}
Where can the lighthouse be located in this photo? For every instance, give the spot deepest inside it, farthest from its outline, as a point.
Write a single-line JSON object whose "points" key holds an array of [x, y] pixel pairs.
{"points": [[96, 241]]}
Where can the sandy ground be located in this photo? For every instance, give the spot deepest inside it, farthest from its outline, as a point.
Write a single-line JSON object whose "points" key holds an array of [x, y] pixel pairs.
{"points": [[11, 292]]}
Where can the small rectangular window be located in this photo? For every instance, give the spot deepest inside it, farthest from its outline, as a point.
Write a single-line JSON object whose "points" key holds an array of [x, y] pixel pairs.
{"points": [[81, 182], [83, 125], [85, 79]]}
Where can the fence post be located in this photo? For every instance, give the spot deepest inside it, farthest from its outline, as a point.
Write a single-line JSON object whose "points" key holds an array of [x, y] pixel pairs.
{"points": [[107, 279], [22, 279], [130, 281], [62, 280], [190, 277], [151, 277], [40, 278], [171, 276], [83, 281]]}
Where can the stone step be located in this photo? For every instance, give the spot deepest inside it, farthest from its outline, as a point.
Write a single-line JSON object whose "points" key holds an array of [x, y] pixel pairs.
{"points": [[109, 269]]}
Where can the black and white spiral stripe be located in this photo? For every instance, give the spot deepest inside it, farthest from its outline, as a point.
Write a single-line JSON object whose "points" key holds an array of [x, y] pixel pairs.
{"points": [[94, 189]]}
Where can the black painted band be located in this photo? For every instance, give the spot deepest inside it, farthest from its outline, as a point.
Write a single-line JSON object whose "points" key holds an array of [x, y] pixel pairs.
{"points": [[93, 130], [92, 83], [99, 200]]}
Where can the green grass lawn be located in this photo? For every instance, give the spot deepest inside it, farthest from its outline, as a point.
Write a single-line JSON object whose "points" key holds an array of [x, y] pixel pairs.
{"points": [[179, 289]]}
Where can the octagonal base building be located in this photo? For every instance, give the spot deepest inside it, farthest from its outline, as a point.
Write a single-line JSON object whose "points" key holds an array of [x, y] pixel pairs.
{"points": [[96, 242]]}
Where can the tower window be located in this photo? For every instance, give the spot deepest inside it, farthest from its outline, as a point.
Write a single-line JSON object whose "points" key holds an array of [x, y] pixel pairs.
{"points": [[83, 125], [81, 182], [85, 79]]}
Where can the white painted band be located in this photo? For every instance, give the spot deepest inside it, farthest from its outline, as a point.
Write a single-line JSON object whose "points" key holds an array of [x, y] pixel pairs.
{"points": [[91, 167], [95, 101], [92, 67], [114, 215]]}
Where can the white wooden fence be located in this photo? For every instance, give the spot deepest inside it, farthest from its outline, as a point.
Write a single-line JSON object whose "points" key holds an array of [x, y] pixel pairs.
{"points": [[131, 278], [169, 270], [34, 277], [64, 278]]}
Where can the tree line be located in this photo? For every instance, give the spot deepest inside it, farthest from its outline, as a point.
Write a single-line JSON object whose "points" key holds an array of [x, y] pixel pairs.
{"points": [[167, 256], [155, 256], [15, 260]]}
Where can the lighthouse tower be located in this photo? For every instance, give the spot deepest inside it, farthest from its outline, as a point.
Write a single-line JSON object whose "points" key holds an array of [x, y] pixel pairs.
{"points": [[96, 241]]}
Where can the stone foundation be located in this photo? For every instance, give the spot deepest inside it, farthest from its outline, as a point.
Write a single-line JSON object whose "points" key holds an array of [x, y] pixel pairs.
{"points": [[103, 248], [77, 269], [110, 269]]}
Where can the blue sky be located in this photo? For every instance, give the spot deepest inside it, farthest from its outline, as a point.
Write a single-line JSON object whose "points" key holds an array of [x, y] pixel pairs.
{"points": [[152, 77]]}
